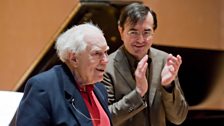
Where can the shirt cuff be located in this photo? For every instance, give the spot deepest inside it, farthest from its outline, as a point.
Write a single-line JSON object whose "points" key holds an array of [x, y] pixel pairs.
{"points": [[170, 87]]}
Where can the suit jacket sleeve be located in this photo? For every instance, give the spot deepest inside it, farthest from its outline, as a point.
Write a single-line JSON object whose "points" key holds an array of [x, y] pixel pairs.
{"points": [[176, 107], [33, 109], [127, 106]]}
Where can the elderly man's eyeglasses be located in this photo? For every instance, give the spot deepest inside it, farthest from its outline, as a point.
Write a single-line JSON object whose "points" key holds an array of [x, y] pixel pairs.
{"points": [[136, 34]]}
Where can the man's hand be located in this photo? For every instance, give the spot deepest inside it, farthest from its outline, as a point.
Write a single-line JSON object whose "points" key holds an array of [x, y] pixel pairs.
{"points": [[170, 69], [140, 76]]}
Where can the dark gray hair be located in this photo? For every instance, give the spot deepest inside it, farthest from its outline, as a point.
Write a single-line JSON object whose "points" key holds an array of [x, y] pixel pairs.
{"points": [[136, 12]]}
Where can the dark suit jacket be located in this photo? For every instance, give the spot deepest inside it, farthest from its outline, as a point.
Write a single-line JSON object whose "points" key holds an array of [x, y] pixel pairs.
{"points": [[51, 99], [128, 108]]}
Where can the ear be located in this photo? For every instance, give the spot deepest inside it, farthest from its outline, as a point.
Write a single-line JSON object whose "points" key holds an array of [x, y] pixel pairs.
{"points": [[72, 57], [120, 29]]}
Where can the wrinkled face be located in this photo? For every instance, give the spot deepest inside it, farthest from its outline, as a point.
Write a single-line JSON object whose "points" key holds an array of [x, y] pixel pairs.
{"points": [[91, 63], [138, 38]]}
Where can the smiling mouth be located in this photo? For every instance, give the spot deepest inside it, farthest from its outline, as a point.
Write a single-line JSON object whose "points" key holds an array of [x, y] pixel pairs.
{"points": [[100, 70], [139, 46]]}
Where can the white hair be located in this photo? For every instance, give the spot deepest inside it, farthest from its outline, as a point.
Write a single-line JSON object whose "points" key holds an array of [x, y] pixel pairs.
{"points": [[73, 40]]}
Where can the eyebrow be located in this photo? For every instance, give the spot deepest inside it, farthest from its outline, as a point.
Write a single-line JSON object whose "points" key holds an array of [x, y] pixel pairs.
{"points": [[133, 29], [100, 49]]}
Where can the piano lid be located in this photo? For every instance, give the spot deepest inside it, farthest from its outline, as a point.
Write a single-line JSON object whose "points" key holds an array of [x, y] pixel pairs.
{"points": [[103, 13]]}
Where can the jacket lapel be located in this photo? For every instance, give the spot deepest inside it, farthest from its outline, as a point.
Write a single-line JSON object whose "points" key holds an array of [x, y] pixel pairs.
{"points": [[121, 65], [74, 99], [102, 101], [154, 76]]}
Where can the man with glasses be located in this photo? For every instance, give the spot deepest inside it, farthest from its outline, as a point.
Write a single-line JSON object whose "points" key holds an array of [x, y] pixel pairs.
{"points": [[142, 82]]}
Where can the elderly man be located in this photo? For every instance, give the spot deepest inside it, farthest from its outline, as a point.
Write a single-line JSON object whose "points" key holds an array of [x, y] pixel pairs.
{"points": [[70, 94]]}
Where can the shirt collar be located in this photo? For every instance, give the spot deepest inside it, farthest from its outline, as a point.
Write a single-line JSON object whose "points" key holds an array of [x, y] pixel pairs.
{"points": [[131, 59], [85, 88]]}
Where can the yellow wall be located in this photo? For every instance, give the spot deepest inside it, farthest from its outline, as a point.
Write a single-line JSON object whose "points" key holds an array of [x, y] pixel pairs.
{"points": [[28, 26], [190, 23]]}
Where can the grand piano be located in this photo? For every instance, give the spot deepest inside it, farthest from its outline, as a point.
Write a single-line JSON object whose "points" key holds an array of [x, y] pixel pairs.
{"points": [[200, 74]]}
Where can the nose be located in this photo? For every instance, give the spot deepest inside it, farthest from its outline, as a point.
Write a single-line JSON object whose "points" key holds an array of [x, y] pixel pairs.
{"points": [[141, 38], [104, 59]]}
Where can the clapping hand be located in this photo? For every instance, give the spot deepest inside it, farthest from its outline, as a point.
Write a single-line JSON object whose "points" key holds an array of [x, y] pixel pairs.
{"points": [[170, 69]]}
